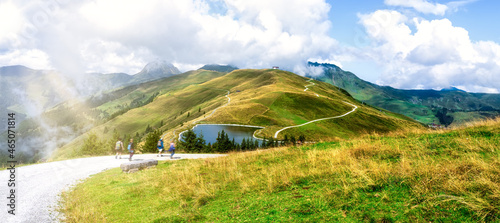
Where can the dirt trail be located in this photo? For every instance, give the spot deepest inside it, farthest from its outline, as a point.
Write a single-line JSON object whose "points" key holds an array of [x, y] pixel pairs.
{"points": [[317, 120], [38, 186]]}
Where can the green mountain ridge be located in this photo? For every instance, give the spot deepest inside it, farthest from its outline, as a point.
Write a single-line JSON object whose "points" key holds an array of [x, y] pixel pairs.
{"points": [[445, 107], [273, 99]]}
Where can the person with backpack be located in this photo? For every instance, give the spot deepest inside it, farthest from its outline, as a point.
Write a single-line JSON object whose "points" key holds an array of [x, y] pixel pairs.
{"points": [[172, 149], [160, 147], [119, 148], [131, 149]]}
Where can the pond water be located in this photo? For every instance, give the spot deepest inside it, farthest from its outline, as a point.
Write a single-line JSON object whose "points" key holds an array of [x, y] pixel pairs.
{"points": [[237, 132]]}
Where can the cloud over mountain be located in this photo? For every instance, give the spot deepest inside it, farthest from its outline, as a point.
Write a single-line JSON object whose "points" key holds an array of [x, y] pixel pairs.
{"points": [[436, 54], [122, 36], [413, 48]]}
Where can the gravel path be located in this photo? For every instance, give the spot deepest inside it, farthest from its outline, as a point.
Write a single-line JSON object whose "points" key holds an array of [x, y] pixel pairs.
{"points": [[38, 186], [317, 120]]}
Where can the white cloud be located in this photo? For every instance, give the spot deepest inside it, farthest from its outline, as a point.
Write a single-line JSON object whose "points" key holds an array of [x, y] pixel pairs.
{"points": [[104, 35], [27, 57], [113, 57], [420, 5], [437, 55], [11, 20]]}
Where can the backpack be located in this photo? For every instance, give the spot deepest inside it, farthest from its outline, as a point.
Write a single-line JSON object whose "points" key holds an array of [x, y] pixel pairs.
{"points": [[118, 145]]}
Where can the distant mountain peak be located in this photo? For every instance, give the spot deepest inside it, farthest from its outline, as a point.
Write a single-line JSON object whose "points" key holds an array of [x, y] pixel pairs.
{"points": [[324, 65], [451, 88], [15, 70], [159, 66], [155, 70]]}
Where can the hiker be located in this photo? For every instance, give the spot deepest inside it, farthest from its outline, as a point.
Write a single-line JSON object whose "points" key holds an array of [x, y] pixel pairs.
{"points": [[160, 147], [119, 148], [172, 149], [131, 149]]}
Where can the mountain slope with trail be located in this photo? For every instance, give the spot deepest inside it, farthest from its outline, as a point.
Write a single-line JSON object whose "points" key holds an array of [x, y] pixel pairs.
{"points": [[273, 99]]}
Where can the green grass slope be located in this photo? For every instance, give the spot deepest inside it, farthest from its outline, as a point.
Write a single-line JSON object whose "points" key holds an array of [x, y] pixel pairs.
{"points": [[276, 99], [427, 106], [418, 176], [127, 112], [273, 99]]}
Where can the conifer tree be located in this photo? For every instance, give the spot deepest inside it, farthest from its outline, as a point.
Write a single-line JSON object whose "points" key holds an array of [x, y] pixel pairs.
{"points": [[151, 143], [293, 141], [200, 143], [188, 141]]}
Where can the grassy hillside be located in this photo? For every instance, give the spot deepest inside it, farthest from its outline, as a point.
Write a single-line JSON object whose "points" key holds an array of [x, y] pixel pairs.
{"points": [[277, 99], [427, 106], [270, 98], [417, 176], [129, 111]]}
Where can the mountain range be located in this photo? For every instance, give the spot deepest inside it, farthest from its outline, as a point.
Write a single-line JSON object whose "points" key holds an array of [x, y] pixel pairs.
{"points": [[447, 107], [119, 104], [273, 99], [29, 92]]}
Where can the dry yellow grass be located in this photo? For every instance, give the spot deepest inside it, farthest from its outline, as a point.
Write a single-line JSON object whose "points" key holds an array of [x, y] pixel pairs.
{"points": [[418, 176]]}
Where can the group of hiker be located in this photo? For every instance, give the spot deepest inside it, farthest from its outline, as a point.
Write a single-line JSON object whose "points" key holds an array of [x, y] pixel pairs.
{"points": [[171, 149], [130, 148]]}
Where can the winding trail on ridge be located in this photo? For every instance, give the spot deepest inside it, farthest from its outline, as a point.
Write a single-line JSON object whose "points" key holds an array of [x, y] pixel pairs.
{"points": [[311, 83], [317, 120]]}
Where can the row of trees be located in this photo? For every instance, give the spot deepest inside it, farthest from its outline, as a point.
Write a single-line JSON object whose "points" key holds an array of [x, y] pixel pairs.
{"points": [[190, 142]]}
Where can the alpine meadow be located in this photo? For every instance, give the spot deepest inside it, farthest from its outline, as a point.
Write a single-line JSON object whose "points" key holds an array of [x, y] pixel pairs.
{"points": [[126, 111]]}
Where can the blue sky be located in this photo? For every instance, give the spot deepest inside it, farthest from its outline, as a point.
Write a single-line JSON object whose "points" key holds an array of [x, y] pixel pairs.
{"points": [[410, 44], [477, 17]]}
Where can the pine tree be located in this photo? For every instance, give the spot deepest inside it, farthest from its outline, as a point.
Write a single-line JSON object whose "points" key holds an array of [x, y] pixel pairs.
{"points": [[270, 143], [256, 144], [302, 139], [93, 145], [223, 144], [244, 144], [233, 145], [148, 129], [293, 141], [151, 143], [208, 148], [200, 143], [188, 141]]}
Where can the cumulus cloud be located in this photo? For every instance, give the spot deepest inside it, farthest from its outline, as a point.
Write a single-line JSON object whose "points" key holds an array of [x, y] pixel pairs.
{"points": [[27, 57], [436, 55], [106, 35]]}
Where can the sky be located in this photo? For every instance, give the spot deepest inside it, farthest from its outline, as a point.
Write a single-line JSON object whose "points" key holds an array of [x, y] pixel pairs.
{"points": [[409, 44]]}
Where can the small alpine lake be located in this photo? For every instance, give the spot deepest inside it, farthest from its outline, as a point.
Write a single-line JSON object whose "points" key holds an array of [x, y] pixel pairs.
{"points": [[238, 132]]}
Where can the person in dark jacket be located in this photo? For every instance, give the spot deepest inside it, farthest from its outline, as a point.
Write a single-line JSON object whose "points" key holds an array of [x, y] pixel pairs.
{"points": [[131, 149], [172, 149], [160, 147]]}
